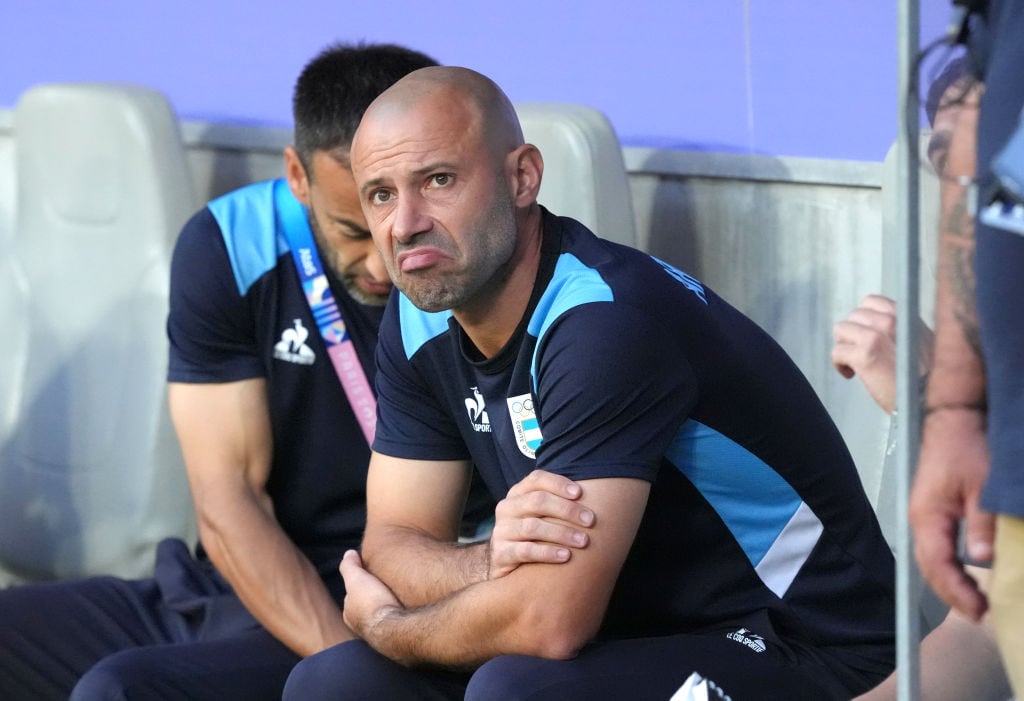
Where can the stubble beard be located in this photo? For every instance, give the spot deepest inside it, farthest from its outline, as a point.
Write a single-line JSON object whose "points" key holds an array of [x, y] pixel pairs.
{"points": [[357, 293], [457, 290], [347, 280]]}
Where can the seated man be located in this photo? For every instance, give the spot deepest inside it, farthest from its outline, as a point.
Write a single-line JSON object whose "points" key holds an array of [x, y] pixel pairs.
{"points": [[276, 455], [730, 534]]}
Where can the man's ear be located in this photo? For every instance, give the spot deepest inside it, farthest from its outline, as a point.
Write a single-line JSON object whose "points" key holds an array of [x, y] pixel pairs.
{"points": [[295, 174], [527, 168]]}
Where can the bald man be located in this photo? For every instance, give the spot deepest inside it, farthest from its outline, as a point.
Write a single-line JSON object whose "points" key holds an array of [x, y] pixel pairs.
{"points": [[716, 522]]}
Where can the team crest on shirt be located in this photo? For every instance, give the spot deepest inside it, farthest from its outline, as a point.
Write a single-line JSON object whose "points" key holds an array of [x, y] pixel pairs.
{"points": [[524, 424]]}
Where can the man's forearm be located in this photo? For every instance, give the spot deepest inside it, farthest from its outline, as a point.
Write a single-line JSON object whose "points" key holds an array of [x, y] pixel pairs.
{"points": [[509, 615], [442, 567], [957, 376], [542, 609], [275, 581]]}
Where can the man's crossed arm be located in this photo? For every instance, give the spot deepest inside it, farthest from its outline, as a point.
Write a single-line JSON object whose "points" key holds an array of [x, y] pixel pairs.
{"points": [[419, 601]]}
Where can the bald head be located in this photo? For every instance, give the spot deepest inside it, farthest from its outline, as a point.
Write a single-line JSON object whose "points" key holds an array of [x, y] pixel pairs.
{"points": [[449, 190], [450, 94]]}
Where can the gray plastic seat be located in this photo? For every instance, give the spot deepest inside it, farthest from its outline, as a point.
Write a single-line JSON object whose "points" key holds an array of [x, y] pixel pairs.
{"points": [[90, 473], [584, 173]]}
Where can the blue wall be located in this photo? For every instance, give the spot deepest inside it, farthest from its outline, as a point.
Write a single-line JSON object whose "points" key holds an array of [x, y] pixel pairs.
{"points": [[814, 78]]}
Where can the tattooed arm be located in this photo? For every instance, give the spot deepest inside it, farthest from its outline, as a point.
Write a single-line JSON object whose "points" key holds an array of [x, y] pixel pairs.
{"points": [[954, 455]]}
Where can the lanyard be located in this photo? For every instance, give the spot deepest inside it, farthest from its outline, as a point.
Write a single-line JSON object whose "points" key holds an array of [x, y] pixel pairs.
{"points": [[295, 225]]}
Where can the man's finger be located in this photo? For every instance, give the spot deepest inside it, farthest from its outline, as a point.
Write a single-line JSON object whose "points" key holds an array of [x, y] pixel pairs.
{"points": [[879, 303], [841, 359], [350, 563], [961, 592], [935, 550], [523, 552], [540, 530], [979, 533], [544, 481], [539, 505]]}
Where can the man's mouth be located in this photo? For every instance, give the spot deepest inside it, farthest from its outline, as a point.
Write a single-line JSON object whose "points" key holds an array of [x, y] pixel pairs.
{"points": [[419, 258]]}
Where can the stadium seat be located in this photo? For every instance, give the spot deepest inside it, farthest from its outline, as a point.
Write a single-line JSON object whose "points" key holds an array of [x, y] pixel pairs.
{"points": [[90, 473], [584, 173]]}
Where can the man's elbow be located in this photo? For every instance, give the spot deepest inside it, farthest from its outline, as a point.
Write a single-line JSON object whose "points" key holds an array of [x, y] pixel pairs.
{"points": [[558, 647], [559, 633]]}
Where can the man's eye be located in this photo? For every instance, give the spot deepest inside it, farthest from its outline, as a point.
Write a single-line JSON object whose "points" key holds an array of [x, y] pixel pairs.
{"points": [[380, 197], [441, 179]]}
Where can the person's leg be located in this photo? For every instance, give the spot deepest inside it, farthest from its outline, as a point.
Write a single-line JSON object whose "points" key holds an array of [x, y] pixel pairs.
{"points": [[1006, 597], [646, 668], [252, 665], [51, 633], [356, 672], [958, 659]]}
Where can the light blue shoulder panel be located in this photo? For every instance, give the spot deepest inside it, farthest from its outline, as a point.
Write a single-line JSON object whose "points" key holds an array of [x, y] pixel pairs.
{"points": [[248, 223], [418, 326], [573, 284]]}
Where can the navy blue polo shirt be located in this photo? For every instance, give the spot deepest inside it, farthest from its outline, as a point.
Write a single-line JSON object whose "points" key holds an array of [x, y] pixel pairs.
{"points": [[624, 366]]}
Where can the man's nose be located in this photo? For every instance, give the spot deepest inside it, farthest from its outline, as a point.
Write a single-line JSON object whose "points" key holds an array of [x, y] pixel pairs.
{"points": [[410, 218]]}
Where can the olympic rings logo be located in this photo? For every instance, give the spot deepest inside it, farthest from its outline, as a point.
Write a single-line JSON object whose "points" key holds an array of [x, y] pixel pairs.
{"points": [[518, 407]]}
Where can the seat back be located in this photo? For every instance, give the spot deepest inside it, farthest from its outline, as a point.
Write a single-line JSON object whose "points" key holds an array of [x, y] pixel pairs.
{"points": [[12, 290], [584, 173], [91, 476]]}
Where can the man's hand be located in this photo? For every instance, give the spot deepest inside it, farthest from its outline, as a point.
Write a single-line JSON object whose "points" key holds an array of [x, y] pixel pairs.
{"points": [[950, 474], [539, 520], [367, 599], [865, 345]]}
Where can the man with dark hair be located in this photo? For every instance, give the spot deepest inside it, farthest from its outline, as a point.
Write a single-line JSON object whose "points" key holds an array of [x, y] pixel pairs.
{"points": [[271, 361], [948, 89]]}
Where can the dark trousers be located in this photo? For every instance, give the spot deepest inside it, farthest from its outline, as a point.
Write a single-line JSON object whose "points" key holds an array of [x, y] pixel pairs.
{"points": [[638, 669], [181, 635]]}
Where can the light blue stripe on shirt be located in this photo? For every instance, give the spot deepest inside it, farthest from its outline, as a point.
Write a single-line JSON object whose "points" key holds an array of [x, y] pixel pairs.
{"points": [[769, 520]]}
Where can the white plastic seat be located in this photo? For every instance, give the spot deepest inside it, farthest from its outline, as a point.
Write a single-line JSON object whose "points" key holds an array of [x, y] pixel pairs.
{"points": [[584, 173], [91, 476]]}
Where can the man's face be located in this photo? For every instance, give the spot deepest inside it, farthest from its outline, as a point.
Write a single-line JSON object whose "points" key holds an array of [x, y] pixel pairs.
{"points": [[438, 203], [340, 230]]}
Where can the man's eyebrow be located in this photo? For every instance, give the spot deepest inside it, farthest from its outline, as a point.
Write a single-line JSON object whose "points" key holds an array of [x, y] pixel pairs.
{"points": [[433, 167], [362, 231], [429, 168], [370, 185]]}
